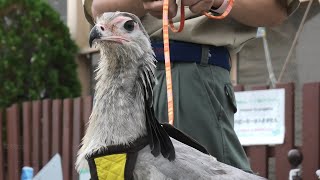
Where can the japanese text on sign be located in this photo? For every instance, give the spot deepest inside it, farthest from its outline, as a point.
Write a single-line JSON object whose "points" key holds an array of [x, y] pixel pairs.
{"points": [[260, 117]]}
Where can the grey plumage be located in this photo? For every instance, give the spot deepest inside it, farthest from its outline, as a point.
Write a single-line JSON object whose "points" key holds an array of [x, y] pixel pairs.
{"points": [[125, 77], [190, 164]]}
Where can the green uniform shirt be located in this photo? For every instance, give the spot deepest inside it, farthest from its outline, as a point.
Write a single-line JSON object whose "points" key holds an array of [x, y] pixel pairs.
{"points": [[204, 103], [200, 29]]}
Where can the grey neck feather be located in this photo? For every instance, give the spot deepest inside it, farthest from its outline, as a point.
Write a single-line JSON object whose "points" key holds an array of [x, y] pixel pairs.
{"points": [[118, 115]]}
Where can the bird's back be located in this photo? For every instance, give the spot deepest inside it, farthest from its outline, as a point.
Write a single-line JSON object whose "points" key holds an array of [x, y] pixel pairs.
{"points": [[189, 164]]}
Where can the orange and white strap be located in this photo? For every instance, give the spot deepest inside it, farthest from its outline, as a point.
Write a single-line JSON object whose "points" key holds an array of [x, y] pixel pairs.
{"points": [[169, 23], [224, 14], [166, 49]]}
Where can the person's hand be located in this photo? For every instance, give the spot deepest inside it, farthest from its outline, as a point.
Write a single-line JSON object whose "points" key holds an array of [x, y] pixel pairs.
{"points": [[196, 6], [155, 8], [199, 6]]}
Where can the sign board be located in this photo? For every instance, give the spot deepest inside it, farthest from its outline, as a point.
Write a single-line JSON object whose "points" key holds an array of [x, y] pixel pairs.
{"points": [[84, 175], [260, 117], [51, 171]]}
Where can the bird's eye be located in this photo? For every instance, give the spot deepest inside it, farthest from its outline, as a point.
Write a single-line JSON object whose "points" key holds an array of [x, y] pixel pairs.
{"points": [[129, 25]]}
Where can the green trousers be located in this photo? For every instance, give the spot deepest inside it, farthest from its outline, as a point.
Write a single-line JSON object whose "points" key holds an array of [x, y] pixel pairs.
{"points": [[204, 107]]}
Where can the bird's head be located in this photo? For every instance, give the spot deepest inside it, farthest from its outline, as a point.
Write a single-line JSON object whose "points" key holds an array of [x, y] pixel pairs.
{"points": [[120, 33]]}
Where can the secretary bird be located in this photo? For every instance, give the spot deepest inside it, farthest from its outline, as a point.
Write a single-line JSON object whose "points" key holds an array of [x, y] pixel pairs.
{"points": [[124, 139]]}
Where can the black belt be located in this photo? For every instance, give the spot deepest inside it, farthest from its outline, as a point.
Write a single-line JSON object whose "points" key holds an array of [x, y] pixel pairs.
{"points": [[191, 52]]}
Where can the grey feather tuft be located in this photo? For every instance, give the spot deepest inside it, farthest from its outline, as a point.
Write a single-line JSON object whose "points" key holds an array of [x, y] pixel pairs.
{"points": [[123, 112], [125, 77]]}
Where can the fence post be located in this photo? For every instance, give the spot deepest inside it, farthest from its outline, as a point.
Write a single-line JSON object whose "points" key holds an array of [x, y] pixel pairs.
{"points": [[36, 134], [66, 139], [87, 108], [26, 129], [46, 131], [295, 158], [13, 144], [1, 148], [76, 137], [282, 166], [311, 126], [56, 127]]}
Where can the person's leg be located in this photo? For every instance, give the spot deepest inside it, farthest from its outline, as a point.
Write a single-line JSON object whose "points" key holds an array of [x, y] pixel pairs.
{"points": [[223, 94], [198, 111]]}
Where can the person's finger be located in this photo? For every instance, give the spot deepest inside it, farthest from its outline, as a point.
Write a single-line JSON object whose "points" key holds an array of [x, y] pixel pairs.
{"points": [[173, 8], [201, 6], [190, 2]]}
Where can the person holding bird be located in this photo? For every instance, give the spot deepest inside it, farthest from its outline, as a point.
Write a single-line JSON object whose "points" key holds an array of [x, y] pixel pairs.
{"points": [[200, 60], [124, 139]]}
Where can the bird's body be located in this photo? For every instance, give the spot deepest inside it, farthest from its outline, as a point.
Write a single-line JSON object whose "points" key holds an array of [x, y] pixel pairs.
{"points": [[190, 164], [123, 109]]}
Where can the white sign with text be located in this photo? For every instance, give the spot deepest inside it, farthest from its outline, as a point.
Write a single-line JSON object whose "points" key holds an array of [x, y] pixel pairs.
{"points": [[51, 171], [260, 117]]}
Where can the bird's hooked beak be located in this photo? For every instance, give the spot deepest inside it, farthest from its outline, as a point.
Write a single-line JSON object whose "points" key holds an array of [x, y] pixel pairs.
{"points": [[94, 34], [100, 32]]}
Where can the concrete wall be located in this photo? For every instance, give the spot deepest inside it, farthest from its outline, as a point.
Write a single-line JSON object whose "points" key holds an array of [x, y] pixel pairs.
{"points": [[71, 12], [61, 7], [308, 50], [252, 64], [304, 62]]}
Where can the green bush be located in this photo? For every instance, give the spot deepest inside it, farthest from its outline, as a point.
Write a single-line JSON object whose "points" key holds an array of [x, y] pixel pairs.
{"points": [[37, 55]]}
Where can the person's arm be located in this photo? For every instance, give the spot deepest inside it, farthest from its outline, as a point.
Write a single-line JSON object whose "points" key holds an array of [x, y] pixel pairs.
{"points": [[133, 6], [259, 12], [250, 12]]}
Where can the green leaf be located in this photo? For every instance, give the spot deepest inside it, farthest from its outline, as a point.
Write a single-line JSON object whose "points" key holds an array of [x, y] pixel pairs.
{"points": [[37, 53]]}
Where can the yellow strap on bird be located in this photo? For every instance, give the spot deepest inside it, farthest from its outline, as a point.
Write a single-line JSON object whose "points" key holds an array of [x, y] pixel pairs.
{"points": [[110, 167], [166, 23]]}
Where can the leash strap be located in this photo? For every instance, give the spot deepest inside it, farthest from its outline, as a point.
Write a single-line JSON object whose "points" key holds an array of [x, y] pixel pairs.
{"points": [[224, 14], [166, 50], [169, 23]]}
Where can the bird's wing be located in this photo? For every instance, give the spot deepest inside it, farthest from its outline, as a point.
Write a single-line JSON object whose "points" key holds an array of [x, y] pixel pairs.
{"points": [[189, 164], [159, 140], [184, 138]]}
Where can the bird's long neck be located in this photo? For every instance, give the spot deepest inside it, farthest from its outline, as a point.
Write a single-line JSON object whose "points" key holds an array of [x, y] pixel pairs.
{"points": [[118, 115]]}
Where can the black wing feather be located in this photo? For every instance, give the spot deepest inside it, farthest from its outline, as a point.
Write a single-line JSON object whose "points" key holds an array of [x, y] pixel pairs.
{"points": [[159, 140]]}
